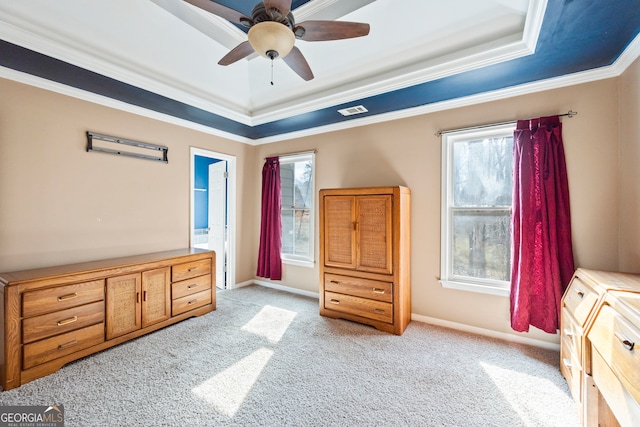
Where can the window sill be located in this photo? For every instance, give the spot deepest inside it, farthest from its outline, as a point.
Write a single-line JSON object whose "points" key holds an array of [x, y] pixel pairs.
{"points": [[475, 287], [299, 263]]}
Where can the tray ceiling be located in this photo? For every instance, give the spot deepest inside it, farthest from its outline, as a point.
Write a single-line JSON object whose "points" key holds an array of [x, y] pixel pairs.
{"points": [[161, 55]]}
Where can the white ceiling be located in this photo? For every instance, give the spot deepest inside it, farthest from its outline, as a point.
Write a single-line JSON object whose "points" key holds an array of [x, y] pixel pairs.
{"points": [[172, 48]]}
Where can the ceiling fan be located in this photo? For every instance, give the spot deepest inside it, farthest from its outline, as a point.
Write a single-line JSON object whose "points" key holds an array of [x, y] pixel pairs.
{"points": [[273, 31]]}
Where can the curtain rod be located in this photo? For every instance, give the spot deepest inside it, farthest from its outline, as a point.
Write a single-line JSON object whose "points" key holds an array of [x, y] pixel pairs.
{"points": [[439, 133], [297, 153]]}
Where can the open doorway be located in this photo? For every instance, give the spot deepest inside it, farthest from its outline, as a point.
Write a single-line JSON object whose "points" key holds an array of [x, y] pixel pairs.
{"points": [[212, 224]]}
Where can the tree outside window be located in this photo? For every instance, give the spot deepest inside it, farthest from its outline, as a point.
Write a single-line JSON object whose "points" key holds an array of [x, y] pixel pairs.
{"points": [[298, 192], [476, 209]]}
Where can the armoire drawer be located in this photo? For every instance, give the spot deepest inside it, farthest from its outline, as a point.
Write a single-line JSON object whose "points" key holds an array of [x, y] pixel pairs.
{"points": [[35, 303], [371, 309], [190, 286], [190, 269], [189, 302], [47, 325], [60, 345], [357, 286]]}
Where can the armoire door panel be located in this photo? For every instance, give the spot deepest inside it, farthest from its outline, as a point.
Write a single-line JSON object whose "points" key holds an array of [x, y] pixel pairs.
{"points": [[374, 234], [339, 228]]}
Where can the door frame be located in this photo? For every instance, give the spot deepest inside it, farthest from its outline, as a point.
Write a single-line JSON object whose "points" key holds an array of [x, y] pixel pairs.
{"points": [[231, 206]]}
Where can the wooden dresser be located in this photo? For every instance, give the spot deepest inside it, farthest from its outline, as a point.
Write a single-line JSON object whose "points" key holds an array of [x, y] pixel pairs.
{"points": [[365, 252], [51, 316], [600, 324]]}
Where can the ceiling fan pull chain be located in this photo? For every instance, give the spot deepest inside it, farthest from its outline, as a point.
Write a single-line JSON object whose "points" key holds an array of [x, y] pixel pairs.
{"points": [[271, 72]]}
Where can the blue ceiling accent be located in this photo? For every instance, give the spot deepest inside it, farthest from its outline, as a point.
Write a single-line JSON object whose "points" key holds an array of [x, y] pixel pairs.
{"points": [[246, 6], [575, 36]]}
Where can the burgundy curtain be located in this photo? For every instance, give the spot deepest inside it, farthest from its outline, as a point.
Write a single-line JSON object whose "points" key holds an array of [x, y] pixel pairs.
{"points": [[269, 262], [542, 256]]}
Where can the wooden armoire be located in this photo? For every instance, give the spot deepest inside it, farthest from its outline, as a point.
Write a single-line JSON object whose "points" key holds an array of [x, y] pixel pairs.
{"points": [[365, 252]]}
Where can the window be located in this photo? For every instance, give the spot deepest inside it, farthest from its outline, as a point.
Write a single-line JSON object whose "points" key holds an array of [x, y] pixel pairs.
{"points": [[477, 180], [296, 178]]}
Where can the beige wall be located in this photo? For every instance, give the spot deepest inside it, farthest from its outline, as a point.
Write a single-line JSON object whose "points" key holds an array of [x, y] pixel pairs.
{"points": [[629, 86], [406, 152], [61, 204]]}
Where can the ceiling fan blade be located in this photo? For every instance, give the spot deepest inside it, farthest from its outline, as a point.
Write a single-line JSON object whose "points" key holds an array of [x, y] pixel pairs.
{"points": [[299, 64], [331, 30], [283, 6], [243, 50], [220, 10]]}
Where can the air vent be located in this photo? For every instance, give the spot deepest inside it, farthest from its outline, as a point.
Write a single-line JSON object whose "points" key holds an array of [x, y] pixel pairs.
{"points": [[358, 109]]}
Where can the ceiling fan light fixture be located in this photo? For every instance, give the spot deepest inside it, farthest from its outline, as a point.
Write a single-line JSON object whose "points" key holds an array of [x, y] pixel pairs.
{"points": [[268, 37]]}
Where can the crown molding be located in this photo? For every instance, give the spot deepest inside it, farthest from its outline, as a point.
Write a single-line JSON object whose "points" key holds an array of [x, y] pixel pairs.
{"points": [[628, 56], [145, 78], [631, 53]]}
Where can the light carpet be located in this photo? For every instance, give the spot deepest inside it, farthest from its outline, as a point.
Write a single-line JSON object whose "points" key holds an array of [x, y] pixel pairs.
{"points": [[266, 358]]}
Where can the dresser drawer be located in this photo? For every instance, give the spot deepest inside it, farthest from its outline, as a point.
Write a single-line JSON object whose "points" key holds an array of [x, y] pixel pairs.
{"points": [[371, 309], [618, 343], [184, 304], [580, 299], [572, 333], [571, 369], [190, 286], [43, 301], [190, 269], [61, 345], [365, 288], [47, 325], [616, 395]]}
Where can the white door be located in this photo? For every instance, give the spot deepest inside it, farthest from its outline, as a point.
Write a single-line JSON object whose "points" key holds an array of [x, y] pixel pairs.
{"points": [[218, 218]]}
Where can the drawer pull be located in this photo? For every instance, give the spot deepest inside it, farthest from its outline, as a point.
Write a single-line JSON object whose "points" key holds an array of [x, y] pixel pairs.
{"points": [[67, 321], [67, 296], [626, 342], [334, 301], [378, 291], [192, 269], [335, 282], [193, 285], [378, 311], [568, 332], [567, 363], [580, 293], [193, 301], [67, 344]]}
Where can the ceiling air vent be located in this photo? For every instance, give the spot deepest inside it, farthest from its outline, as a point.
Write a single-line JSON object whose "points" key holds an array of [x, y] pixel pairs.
{"points": [[358, 109]]}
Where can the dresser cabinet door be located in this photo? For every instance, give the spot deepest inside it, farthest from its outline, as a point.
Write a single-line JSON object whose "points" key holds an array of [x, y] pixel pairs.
{"points": [[156, 296], [123, 306]]}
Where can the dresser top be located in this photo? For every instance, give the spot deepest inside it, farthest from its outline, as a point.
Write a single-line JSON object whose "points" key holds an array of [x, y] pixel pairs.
{"points": [[17, 277], [610, 280]]}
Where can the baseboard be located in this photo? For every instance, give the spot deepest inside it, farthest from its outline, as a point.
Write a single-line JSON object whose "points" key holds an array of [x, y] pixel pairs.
{"points": [[486, 332], [425, 319], [279, 287]]}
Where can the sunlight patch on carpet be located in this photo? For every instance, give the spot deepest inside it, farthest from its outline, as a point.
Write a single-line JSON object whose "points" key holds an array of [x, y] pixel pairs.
{"points": [[271, 323], [525, 402], [227, 390]]}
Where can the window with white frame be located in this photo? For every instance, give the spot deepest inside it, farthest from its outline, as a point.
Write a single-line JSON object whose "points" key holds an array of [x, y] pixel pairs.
{"points": [[297, 183], [477, 167]]}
